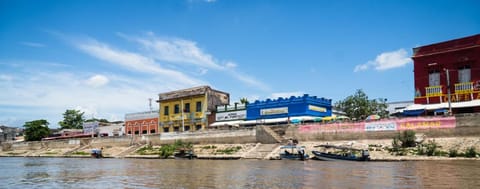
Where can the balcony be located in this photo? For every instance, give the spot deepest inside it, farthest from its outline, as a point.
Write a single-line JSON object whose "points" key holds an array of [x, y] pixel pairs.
{"points": [[464, 88], [465, 91], [433, 91]]}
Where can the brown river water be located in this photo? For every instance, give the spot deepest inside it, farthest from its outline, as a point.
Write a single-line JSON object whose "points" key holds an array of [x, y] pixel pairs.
{"points": [[155, 173]]}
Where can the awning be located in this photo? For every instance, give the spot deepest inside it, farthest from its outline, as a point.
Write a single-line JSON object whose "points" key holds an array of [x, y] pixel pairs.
{"points": [[443, 110], [226, 123], [413, 112]]}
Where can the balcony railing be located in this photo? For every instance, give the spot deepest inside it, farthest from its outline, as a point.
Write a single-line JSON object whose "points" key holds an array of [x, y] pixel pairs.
{"points": [[464, 88], [433, 91]]}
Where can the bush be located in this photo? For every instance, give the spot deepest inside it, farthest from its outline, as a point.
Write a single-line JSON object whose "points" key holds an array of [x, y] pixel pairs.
{"points": [[408, 138], [404, 140], [431, 148], [471, 152], [453, 153]]}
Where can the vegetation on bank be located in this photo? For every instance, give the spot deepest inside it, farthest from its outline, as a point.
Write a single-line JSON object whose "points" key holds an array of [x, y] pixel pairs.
{"points": [[36, 130], [406, 143], [82, 153], [358, 106], [166, 150]]}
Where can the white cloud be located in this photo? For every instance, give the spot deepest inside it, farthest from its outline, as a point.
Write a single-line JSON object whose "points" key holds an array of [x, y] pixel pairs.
{"points": [[32, 44], [133, 61], [181, 52], [6, 77], [97, 81], [47, 98], [230, 65], [175, 50], [286, 94], [386, 60]]}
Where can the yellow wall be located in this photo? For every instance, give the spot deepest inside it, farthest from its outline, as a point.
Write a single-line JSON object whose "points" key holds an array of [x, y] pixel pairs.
{"points": [[176, 119]]}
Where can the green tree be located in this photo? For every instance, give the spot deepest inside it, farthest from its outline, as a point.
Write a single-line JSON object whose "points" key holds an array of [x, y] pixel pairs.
{"points": [[36, 130], [358, 106], [244, 100], [72, 119]]}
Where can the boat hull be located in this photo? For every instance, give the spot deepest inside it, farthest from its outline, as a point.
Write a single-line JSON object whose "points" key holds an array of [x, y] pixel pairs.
{"points": [[336, 157]]}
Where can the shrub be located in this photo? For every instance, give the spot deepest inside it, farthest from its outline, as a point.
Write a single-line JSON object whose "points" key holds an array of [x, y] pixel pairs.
{"points": [[408, 138], [431, 148], [452, 153], [471, 152]]}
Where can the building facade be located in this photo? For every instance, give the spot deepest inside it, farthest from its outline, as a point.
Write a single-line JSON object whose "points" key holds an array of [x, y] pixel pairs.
{"points": [[289, 107], [451, 66], [189, 109], [141, 123], [230, 115]]}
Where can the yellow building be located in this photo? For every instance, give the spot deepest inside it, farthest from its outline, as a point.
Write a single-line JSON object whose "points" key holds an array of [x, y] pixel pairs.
{"points": [[189, 109]]}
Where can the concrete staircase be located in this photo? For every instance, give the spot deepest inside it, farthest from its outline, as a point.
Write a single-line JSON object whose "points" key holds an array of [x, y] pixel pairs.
{"points": [[260, 151], [129, 150], [273, 134]]}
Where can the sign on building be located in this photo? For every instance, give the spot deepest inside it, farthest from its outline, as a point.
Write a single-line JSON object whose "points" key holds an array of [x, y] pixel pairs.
{"points": [[90, 127], [234, 115], [273, 111], [317, 108]]}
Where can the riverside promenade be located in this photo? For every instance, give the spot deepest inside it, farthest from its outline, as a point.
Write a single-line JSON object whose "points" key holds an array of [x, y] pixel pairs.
{"points": [[260, 142]]}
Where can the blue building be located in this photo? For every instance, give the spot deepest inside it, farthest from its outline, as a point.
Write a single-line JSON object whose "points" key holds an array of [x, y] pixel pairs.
{"points": [[289, 107]]}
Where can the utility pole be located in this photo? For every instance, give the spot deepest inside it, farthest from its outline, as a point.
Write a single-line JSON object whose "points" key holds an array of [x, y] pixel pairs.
{"points": [[183, 120], [150, 103], [448, 92]]}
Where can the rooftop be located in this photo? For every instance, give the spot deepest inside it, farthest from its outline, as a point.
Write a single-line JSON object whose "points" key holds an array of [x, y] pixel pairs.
{"points": [[186, 93]]}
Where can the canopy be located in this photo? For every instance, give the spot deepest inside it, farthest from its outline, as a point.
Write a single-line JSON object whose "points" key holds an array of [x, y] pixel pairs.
{"points": [[413, 112]]}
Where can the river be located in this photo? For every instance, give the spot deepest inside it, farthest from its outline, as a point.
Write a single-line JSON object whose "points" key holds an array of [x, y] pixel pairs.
{"points": [[155, 173]]}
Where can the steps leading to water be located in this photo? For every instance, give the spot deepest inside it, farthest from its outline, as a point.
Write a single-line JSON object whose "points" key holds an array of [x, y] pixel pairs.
{"points": [[261, 151]]}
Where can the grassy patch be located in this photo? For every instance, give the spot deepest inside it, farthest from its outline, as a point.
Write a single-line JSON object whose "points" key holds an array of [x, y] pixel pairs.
{"points": [[209, 147], [80, 153], [229, 151]]}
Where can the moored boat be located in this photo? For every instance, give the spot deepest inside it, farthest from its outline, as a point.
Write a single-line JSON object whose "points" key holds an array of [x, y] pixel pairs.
{"points": [[184, 154], [293, 152], [334, 153], [97, 153]]}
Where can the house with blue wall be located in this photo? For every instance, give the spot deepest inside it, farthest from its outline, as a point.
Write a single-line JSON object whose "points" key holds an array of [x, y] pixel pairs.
{"points": [[289, 107]]}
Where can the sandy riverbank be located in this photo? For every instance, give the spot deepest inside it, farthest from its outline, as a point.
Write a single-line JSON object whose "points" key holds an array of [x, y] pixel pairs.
{"points": [[378, 150]]}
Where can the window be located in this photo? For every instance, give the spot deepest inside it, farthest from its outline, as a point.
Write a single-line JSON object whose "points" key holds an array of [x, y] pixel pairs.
{"points": [[198, 127], [187, 107], [434, 78], [136, 132], [464, 74], [199, 106], [129, 132], [187, 128], [177, 109], [165, 110], [165, 130], [144, 132], [152, 131], [176, 129]]}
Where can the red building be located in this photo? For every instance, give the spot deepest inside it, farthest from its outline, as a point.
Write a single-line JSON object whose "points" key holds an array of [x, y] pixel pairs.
{"points": [[141, 123], [456, 62]]}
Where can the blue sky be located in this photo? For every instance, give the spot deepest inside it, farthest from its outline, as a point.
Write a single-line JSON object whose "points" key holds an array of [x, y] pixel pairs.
{"points": [[107, 58]]}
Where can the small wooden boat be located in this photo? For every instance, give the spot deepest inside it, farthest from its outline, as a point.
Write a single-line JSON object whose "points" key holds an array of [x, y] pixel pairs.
{"points": [[293, 152], [184, 154], [97, 153], [333, 153]]}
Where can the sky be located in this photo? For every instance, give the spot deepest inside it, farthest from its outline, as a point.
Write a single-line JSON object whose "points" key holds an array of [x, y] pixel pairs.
{"points": [[108, 58]]}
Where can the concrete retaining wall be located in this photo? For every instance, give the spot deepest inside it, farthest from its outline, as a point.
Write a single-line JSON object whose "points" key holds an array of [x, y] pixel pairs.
{"points": [[466, 125], [207, 137]]}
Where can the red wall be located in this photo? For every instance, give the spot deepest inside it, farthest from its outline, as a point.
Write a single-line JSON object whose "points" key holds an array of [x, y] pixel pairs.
{"points": [[449, 55], [140, 125]]}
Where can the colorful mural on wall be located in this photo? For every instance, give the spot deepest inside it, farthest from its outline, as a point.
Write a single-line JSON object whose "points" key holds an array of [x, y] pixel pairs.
{"points": [[383, 125]]}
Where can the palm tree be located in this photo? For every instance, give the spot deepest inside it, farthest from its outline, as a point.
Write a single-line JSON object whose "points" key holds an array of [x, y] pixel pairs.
{"points": [[244, 100]]}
